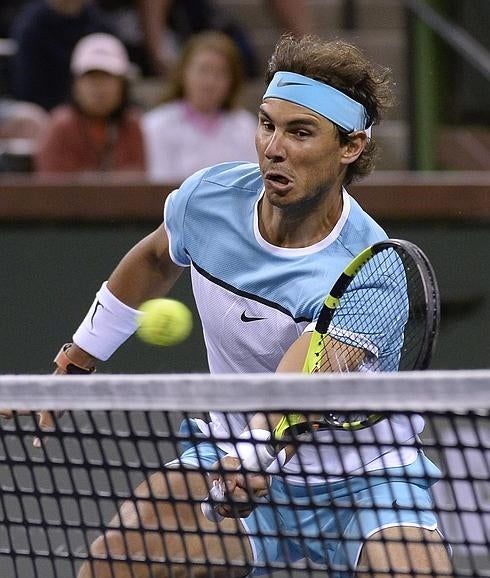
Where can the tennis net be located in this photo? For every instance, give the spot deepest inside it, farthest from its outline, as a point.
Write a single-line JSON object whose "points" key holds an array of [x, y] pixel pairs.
{"points": [[113, 432]]}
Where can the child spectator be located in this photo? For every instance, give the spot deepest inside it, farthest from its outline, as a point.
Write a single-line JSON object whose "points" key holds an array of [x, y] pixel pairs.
{"points": [[199, 124], [98, 130]]}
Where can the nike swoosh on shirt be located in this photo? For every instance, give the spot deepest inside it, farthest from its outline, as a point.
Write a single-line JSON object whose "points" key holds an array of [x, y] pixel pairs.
{"points": [[396, 506], [246, 319]]}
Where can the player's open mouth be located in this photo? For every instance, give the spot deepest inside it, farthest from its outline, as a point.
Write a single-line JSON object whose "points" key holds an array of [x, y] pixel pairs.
{"points": [[277, 180]]}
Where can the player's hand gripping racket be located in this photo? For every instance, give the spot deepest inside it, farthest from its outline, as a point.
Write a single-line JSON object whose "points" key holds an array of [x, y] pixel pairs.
{"points": [[258, 461], [382, 314]]}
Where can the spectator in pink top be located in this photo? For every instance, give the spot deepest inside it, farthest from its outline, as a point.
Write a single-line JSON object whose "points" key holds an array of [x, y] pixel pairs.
{"points": [[199, 123]]}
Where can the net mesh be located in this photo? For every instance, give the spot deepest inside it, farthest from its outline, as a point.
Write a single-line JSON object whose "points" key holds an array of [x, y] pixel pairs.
{"points": [[85, 485]]}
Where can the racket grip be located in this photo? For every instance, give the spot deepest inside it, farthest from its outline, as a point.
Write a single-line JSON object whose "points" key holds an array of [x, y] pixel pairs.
{"points": [[217, 495], [257, 461]]}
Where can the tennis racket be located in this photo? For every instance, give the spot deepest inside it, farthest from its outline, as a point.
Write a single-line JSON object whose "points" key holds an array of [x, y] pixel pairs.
{"points": [[382, 314]]}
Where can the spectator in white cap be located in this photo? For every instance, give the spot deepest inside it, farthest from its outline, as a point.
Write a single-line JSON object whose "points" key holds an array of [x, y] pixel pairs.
{"points": [[100, 52], [98, 130]]}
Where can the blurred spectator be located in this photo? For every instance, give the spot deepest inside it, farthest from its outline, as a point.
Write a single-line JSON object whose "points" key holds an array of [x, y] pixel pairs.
{"points": [[292, 16], [21, 125], [9, 11], [168, 24], [155, 30], [98, 131], [124, 18], [21, 119], [198, 124], [46, 32]]}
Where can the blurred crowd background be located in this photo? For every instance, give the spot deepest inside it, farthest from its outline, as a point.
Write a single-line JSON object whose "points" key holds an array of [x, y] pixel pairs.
{"points": [[162, 88]]}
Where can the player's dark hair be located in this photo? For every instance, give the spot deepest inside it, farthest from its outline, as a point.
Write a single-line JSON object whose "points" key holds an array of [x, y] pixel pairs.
{"points": [[344, 67]]}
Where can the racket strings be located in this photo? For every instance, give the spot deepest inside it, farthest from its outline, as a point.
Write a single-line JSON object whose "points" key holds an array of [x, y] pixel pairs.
{"points": [[386, 298], [379, 324]]}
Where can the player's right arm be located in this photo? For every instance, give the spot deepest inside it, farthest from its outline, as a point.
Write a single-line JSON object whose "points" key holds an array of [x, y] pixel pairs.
{"points": [[145, 272]]}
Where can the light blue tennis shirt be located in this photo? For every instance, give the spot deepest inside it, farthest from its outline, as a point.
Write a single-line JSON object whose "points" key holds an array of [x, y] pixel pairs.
{"points": [[254, 298]]}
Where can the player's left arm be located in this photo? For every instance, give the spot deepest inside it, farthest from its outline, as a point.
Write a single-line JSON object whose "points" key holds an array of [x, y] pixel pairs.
{"points": [[245, 487], [339, 356]]}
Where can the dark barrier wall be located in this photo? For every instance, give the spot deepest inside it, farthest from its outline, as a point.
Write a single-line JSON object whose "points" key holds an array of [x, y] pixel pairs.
{"points": [[50, 275], [51, 267]]}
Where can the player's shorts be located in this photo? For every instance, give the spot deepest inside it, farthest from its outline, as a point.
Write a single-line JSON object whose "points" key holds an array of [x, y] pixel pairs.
{"points": [[327, 524]]}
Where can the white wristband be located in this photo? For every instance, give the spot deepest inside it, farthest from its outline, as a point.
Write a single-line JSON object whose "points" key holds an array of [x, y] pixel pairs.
{"points": [[107, 325], [257, 434], [260, 457], [254, 455]]}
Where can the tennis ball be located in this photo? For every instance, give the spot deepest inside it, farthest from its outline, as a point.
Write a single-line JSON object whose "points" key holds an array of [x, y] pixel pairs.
{"points": [[164, 322]]}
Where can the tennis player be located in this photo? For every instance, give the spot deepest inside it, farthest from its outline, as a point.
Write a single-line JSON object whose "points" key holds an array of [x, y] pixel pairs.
{"points": [[264, 243]]}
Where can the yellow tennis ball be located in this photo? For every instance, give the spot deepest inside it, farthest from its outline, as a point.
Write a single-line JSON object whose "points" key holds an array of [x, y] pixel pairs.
{"points": [[164, 322]]}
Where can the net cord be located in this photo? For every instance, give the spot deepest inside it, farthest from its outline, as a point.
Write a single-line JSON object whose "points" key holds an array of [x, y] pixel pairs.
{"points": [[437, 390]]}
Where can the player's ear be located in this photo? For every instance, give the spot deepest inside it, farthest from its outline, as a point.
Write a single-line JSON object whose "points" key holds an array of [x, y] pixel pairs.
{"points": [[352, 149]]}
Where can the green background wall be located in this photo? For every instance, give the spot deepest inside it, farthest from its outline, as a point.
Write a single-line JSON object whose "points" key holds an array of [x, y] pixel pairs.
{"points": [[49, 275]]}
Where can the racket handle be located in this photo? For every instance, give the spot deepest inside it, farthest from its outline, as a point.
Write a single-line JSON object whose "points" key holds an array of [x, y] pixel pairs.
{"points": [[216, 494], [258, 461]]}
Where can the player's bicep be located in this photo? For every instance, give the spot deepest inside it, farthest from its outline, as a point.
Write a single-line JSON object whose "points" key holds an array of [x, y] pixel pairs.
{"points": [[146, 271]]}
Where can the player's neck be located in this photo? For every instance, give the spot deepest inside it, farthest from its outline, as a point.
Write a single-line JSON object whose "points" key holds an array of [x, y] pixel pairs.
{"points": [[295, 226]]}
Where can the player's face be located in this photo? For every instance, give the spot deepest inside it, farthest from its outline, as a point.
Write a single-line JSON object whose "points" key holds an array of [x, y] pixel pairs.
{"points": [[300, 156], [207, 80], [98, 94]]}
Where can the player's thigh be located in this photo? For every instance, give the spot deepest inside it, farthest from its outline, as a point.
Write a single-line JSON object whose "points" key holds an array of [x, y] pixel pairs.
{"points": [[404, 550], [164, 523]]}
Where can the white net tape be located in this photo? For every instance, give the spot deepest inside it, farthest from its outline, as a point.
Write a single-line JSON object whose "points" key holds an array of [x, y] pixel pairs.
{"points": [[418, 391]]}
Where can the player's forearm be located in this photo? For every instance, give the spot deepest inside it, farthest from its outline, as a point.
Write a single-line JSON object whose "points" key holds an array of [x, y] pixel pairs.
{"points": [[145, 272]]}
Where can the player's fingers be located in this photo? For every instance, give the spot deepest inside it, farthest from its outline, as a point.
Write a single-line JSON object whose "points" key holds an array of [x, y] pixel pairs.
{"points": [[252, 484], [235, 511], [238, 504], [46, 422], [8, 413]]}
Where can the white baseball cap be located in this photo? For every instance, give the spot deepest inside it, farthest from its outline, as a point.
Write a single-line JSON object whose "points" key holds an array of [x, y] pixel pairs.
{"points": [[100, 51]]}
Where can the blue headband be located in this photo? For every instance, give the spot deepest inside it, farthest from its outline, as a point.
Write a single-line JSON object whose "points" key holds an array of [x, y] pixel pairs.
{"points": [[319, 97]]}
